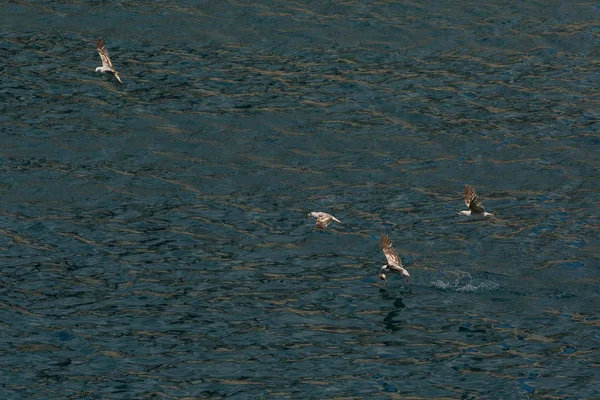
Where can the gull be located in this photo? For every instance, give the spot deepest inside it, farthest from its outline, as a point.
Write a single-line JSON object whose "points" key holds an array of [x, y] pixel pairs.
{"points": [[475, 204], [107, 65], [323, 219], [393, 261]]}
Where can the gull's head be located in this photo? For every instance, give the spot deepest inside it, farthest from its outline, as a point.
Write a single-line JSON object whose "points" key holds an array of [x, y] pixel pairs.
{"points": [[466, 213], [382, 273], [98, 69]]}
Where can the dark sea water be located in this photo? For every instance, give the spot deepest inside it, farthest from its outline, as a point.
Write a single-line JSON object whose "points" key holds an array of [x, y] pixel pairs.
{"points": [[153, 236]]}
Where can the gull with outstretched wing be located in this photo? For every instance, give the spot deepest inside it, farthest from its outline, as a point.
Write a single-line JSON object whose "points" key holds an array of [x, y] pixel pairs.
{"points": [[394, 264], [475, 204], [107, 65]]}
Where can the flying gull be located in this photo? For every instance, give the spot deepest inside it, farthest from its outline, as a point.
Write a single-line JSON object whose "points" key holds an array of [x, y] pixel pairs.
{"points": [[393, 261], [107, 65], [475, 204], [323, 219]]}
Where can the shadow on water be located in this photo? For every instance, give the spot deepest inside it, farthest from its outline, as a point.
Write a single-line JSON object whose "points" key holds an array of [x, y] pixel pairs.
{"points": [[391, 322]]}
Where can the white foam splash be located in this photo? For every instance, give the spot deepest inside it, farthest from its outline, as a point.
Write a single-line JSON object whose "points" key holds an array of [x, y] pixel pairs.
{"points": [[460, 281]]}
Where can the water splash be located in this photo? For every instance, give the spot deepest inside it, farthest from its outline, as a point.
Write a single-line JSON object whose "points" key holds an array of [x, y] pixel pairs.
{"points": [[461, 281]]}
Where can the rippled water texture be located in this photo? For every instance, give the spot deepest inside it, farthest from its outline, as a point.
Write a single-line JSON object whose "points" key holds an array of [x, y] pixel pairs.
{"points": [[154, 238]]}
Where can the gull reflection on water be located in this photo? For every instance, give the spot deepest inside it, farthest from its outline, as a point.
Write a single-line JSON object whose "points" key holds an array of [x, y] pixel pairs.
{"points": [[391, 321]]}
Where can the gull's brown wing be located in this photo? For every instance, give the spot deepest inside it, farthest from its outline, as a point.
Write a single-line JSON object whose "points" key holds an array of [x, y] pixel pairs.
{"points": [[324, 221], [473, 201], [106, 62], [390, 254]]}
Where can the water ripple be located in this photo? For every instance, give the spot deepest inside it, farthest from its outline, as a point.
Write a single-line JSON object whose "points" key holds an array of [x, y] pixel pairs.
{"points": [[154, 235]]}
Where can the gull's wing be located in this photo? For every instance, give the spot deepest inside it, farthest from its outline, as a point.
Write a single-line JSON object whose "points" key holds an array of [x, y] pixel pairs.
{"points": [[390, 254], [323, 219], [318, 215], [323, 222], [106, 62], [473, 201]]}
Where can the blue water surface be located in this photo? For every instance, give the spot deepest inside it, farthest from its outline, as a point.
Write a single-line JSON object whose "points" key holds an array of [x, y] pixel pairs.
{"points": [[154, 241]]}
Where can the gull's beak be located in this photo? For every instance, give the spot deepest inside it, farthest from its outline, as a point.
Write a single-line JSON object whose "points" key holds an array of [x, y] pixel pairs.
{"points": [[383, 278]]}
